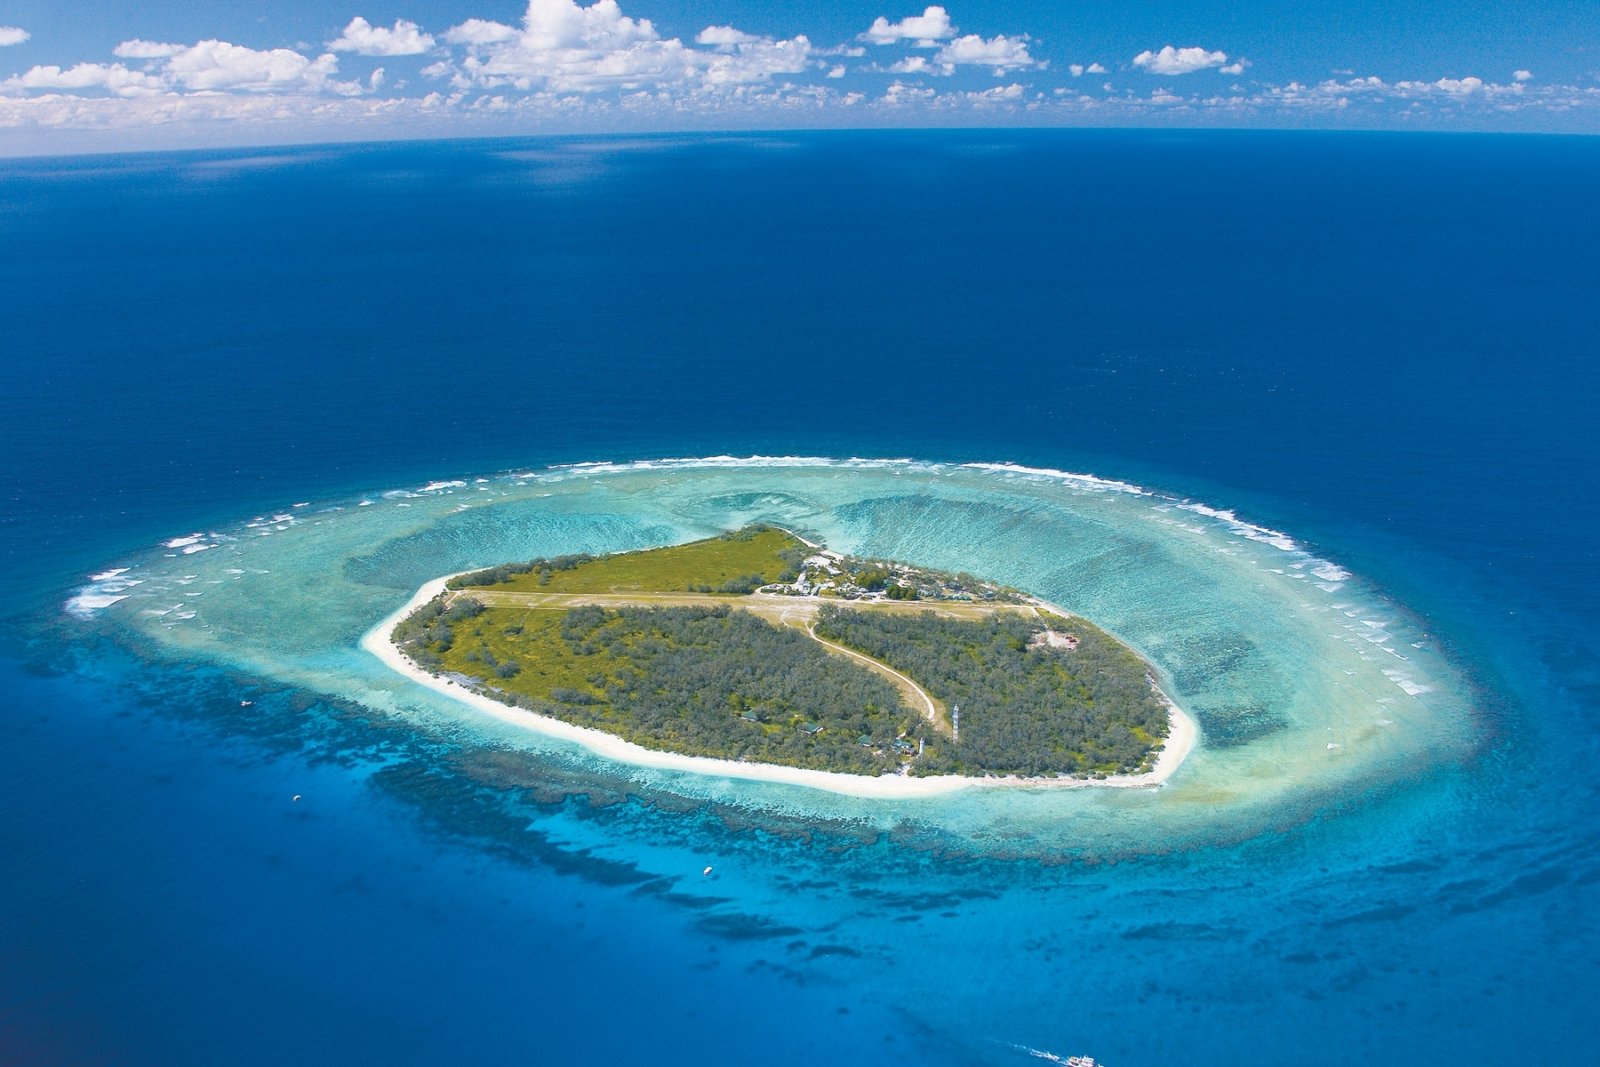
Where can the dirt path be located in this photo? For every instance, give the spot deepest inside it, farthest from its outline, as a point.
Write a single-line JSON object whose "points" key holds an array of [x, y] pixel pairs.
{"points": [[798, 612], [911, 690]]}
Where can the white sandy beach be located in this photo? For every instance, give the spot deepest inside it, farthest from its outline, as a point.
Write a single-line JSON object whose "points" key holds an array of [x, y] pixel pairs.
{"points": [[1181, 739]]}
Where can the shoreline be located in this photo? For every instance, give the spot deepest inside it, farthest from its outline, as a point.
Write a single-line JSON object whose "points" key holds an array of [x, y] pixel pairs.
{"points": [[1181, 737]]}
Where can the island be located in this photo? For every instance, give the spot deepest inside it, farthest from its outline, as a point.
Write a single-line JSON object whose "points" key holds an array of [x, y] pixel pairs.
{"points": [[757, 653]]}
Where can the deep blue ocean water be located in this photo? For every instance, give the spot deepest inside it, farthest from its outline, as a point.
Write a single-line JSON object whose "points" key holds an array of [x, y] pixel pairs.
{"points": [[1384, 344]]}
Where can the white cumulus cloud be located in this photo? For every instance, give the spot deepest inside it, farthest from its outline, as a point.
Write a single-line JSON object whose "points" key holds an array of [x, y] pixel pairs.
{"points": [[757, 59], [480, 31], [10, 35], [206, 66], [932, 25], [561, 24], [141, 49], [563, 47], [402, 39], [724, 37], [220, 65], [900, 93], [999, 94], [1522, 75], [1002, 53], [1449, 86], [1175, 61], [112, 77]]}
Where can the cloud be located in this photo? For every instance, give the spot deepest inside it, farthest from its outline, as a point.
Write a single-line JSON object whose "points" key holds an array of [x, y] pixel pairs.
{"points": [[900, 93], [112, 77], [930, 26], [403, 39], [206, 66], [757, 59], [220, 65], [724, 37], [1000, 94], [1373, 96], [1002, 53], [10, 35], [1174, 61], [445, 69], [480, 31], [564, 65], [563, 47], [140, 49], [168, 120], [550, 25], [161, 116], [1449, 86]]}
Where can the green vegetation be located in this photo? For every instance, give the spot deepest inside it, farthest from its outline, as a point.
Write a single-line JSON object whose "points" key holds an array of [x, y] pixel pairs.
{"points": [[706, 681], [734, 563], [1026, 708], [702, 677]]}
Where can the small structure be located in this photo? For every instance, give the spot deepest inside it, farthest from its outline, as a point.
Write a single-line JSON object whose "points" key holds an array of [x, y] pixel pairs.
{"points": [[1054, 639], [811, 728]]}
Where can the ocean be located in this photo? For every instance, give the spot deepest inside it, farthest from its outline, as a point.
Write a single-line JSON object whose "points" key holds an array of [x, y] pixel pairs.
{"points": [[1333, 392]]}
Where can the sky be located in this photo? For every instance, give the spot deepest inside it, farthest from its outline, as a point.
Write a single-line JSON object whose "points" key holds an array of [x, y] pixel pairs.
{"points": [[109, 75]]}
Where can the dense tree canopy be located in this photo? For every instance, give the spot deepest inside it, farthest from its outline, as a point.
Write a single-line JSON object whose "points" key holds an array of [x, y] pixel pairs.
{"points": [[1026, 708]]}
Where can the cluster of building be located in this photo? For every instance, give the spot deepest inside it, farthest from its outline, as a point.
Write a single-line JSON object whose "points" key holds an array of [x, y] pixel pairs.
{"points": [[833, 575]]}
